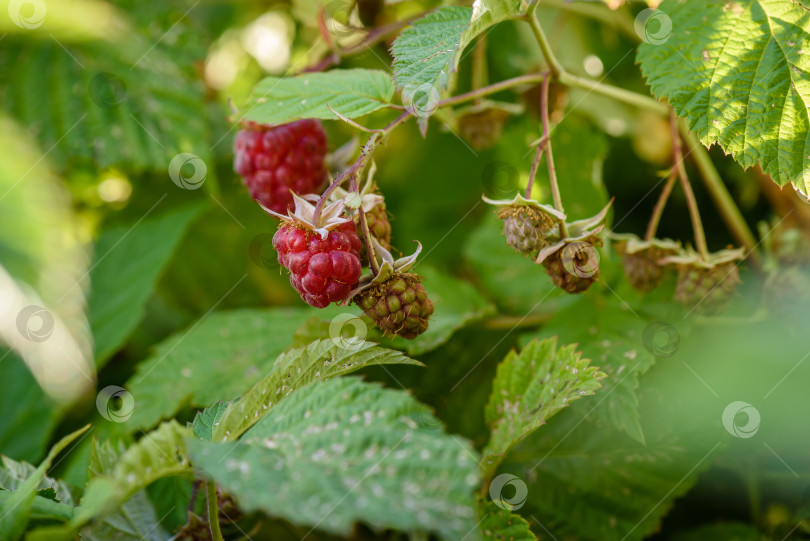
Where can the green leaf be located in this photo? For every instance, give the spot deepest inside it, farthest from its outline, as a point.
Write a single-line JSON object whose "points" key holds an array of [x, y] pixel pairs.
{"points": [[350, 92], [161, 453], [18, 506], [738, 72], [426, 53], [124, 102], [487, 13], [217, 358], [319, 361], [28, 416], [529, 388], [352, 451], [498, 524], [611, 331], [135, 519], [206, 421], [133, 255], [593, 483], [13, 474]]}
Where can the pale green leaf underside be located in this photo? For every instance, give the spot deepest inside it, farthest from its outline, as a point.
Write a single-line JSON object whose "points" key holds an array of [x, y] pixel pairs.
{"points": [[426, 53], [343, 451], [529, 388], [739, 72], [320, 360], [351, 92]]}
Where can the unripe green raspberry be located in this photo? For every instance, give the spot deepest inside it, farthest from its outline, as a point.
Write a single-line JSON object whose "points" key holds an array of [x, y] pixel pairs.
{"points": [[398, 306], [524, 228]]}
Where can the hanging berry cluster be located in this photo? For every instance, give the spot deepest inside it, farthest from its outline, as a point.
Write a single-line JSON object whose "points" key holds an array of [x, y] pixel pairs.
{"points": [[706, 282], [317, 239]]}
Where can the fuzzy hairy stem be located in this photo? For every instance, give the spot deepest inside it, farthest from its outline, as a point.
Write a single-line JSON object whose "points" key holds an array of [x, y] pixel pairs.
{"points": [[694, 213], [655, 219], [372, 256], [720, 195], [552, 172], [532, 78], [351, 172], [213, 511]]}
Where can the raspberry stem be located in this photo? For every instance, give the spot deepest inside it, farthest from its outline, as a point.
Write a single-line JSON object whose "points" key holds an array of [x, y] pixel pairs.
{"points": [[213, 511], [480, 73], [351, 172], [545, 46], [655, 219], [552, 172], [372, 256], [694, 213], [722, 199]]}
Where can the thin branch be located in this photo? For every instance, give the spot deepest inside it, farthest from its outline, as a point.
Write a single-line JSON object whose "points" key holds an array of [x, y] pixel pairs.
{"points": [[694, 213], [349, 173], [545, 47], [373, 37], [372, 256], [533, 173], [631, 98], [552, 172], [722, 199], [532, 78], [655, 219]]}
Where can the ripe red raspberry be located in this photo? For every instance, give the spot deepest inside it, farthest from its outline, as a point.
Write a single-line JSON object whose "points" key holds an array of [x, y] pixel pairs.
{"points": [[273, 160], [398, 306], [322, 270]]}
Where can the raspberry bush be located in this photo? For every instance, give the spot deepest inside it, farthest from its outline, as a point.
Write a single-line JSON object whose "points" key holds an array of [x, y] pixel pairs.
{"points": [[404, 270]]}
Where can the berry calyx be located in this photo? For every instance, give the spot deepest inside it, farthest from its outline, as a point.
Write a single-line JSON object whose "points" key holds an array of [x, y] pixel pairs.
{"points": [[274, 161], [572, 261], [526, 223], [642, 260], [394, 298], [323, 258]]}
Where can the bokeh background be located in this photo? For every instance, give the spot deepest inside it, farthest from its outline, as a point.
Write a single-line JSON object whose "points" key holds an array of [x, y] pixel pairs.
{"points": [[96, 100]]}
